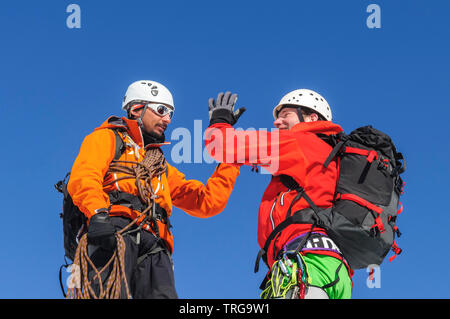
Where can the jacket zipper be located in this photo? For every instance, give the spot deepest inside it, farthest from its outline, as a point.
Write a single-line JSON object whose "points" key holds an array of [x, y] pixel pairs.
{"points": [[271, 211], [273, 206], [282, 198]]}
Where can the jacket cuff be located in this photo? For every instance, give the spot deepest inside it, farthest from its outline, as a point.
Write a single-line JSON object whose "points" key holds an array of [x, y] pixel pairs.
{"points": [[101, 210]]}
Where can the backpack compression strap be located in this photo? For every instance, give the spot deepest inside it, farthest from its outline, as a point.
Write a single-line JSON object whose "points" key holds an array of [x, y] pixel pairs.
{"points": [[362, 202]]}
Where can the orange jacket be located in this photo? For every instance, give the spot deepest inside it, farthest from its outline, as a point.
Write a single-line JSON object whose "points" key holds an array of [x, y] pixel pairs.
{"points": [[87, 180]]}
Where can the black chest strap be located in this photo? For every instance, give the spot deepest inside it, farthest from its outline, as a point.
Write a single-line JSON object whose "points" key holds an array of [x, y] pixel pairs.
{"points": [[133, 202]]}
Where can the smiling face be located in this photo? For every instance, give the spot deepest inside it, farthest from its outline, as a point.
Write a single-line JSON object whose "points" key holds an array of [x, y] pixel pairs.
{"points": [[152, 122], [288, 117]]}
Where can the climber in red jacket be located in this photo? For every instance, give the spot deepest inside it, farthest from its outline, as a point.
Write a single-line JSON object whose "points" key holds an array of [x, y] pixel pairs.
{"points": [[294, 155]]}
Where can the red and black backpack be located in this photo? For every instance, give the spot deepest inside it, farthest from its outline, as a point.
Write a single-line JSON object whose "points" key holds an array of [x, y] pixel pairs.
{"points": [[367, 200], [362, 221]]}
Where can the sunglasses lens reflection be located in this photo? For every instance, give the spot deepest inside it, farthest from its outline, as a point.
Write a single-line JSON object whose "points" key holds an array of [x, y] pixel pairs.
{"points": [[162, 110]]}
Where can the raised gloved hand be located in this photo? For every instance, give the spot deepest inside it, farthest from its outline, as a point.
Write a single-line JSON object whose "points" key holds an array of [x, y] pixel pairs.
{"points": [[222, 110], [101, 232]]}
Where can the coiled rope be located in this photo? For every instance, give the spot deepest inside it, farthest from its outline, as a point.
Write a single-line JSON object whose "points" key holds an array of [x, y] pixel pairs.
{"points": [[80, 287]]}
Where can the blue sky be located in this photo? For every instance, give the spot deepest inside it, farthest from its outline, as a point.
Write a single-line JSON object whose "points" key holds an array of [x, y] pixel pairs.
{"points": [[57, 84]]}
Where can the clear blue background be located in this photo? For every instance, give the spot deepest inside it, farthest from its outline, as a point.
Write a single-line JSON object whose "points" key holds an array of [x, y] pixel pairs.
{"points": [[57, 84]]}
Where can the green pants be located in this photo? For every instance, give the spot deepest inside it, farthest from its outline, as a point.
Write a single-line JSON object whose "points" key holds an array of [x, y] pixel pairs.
{"points": [[321, 271]]}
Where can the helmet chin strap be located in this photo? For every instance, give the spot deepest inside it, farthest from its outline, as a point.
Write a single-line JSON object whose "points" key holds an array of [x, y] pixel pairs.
{"points": [[139, 120], [300, 115]]}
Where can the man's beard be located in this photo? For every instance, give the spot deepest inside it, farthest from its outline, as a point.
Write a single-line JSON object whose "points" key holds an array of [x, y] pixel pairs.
{"points": [[153, 138]]}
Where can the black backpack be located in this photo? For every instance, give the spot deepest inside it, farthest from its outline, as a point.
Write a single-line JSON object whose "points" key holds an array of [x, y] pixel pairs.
{"points": [[74, 221], [362, 221]]}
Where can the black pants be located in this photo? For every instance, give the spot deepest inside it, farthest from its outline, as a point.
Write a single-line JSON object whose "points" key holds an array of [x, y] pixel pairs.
{"points": [[148, 265]]}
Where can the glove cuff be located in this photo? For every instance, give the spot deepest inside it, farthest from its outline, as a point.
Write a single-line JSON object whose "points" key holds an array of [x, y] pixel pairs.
{"points": [[222, 116]]}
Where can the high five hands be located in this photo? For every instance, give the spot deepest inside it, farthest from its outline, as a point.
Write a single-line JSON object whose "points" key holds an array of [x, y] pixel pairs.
{"points": [[222, 110]]}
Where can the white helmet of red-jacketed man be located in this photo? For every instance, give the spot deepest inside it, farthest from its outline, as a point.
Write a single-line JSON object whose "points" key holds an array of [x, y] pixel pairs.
{"points": [[147, 91], [305, 98]]}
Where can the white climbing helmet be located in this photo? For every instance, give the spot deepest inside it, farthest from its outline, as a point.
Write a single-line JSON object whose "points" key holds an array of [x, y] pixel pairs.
{"points": [[147, 91], [305, 98]]}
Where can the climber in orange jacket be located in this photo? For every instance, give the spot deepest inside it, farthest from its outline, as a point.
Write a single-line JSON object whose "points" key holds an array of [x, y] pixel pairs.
{"points": [[110, 200]]}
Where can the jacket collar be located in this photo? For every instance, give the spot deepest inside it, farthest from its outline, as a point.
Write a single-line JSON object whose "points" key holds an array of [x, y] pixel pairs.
{"points": [[323, 127], [131, 127]]}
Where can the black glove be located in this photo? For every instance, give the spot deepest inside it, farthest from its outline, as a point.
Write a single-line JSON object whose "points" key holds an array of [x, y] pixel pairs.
{"points": [[222, 110], [101, 232]]}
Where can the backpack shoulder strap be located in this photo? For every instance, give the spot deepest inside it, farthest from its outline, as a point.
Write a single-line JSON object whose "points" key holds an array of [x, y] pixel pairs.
{"points": [[336, 141], [120, 145]]}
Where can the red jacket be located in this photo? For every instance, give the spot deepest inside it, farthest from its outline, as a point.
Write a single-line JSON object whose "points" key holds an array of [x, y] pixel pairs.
{"points": [[297, 152]]}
